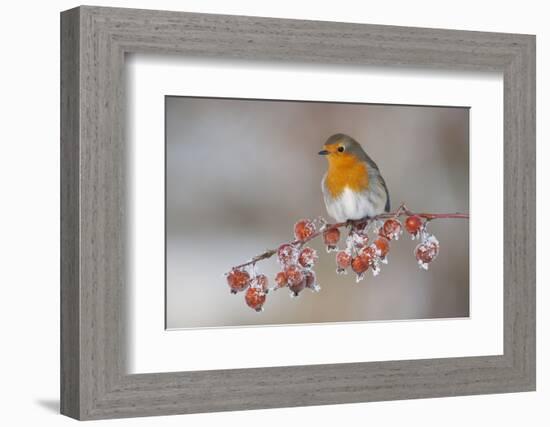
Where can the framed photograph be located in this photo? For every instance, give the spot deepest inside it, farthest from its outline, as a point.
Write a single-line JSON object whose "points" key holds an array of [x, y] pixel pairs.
{"points": [[261, 213]]}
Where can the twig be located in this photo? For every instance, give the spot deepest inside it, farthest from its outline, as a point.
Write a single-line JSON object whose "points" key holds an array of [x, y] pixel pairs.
{"points": [[401, 211]]}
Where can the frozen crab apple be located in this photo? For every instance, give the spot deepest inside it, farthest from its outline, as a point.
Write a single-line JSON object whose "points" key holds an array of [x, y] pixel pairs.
{"points": [[296, 279], [297, 288], [391, 229], [281, 280], [359, 265], [238, 280], [426, 251], [311, 281], [287, 254], [331, 236], [383, 246], [308, 257], [369, 253], [255, 298], [261, 282], [343, 261], [304, 229], [413, 225], [372, 254]]}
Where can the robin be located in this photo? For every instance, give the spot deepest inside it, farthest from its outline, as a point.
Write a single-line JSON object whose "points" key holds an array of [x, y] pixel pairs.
{"points": [[353, 187]]}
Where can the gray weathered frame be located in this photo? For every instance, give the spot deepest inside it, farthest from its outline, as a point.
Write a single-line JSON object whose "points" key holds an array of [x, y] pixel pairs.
{"points": [[94, 41]]}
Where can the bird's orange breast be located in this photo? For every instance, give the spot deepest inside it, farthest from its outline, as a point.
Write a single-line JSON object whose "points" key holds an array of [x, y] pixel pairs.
{"points": [[345, 170]]}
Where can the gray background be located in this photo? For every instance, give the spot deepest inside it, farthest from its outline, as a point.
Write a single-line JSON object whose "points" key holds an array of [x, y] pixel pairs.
{"points": [[241, 172]]}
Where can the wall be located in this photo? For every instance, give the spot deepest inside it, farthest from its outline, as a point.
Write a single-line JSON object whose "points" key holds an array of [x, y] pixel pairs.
{"points": [[29, 172]]}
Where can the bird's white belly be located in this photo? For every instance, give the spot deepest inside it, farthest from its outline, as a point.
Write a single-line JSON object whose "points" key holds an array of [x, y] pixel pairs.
{"points": [[355, 205]]}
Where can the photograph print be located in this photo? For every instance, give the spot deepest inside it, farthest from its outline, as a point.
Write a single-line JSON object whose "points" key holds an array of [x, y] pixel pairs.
{"points": [[282, 212]]}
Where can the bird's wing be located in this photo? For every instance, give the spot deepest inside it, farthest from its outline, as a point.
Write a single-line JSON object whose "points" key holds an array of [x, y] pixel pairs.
{"points": [[374, 167], [388, 204]]}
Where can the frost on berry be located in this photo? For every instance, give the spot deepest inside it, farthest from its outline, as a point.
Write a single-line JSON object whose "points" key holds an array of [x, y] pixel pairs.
{"points": [[287, 254], [304, 229], [382, 248], [296, 279], [426, 251], [238, 280], [375, 268], [260, 282], [331, 236], [358, 239], [255, 298], [308, 257], [297, 288], [311, 281], [343, 261], [281, 280], [377, 226], [294, 274], [413, 225], [371, 253], [391, 229], [359, 265]]}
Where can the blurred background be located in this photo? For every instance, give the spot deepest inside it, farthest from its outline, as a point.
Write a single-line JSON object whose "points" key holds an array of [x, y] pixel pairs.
{"points": [[240, 173]]}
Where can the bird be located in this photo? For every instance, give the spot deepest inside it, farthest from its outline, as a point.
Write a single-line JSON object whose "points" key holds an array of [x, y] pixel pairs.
{"points": [[353, 187]]}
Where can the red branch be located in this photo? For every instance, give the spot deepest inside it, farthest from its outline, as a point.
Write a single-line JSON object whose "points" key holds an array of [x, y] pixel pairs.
{"points": [[401, 211]]}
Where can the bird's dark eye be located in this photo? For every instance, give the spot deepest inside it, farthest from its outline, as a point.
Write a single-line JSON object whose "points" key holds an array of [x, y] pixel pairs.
{"points": [[340, 149]]}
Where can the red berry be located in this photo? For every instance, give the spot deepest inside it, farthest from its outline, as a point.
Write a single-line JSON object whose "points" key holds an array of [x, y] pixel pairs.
{"points": [[261, 282], [287, 254], [383, 246], [281, 280], [303, 229], [294, 275], [311, 281], [369, 253], [238, 280], [308, 257], [413, 224], [426, 252], [297, 288], [331, 237], [343, 261], [255, 298], [391, 229], [360, 264], [296, 279]]}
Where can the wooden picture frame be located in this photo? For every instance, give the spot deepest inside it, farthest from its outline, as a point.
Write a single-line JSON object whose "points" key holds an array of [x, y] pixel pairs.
{"points": [[94, 382]]}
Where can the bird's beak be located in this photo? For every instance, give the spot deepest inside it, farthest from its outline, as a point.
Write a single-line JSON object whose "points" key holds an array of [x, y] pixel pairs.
{"points": [[323, 152]]}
